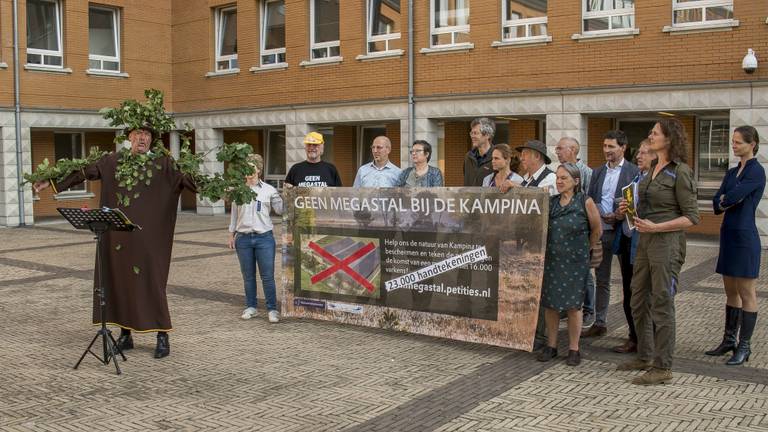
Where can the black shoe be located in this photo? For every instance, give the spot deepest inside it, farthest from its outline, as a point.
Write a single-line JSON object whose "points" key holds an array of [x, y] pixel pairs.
{"points": [[732, 318], [125, 341], [574, 358], [163, 346], [546, 354], [538, 345], [741, 355]]}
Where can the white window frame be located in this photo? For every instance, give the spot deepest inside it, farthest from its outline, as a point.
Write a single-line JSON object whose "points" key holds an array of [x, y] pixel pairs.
{"points": [[321, 45], [522, 22], [59, 35], [231, 58], [709, 184], [279, 178], [703, 5], [611, 13], [386, 38], [101, 59], [275, 52], [73, 193], [452, 30]]}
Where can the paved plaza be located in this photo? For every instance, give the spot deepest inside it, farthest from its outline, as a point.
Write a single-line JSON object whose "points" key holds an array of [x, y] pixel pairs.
{"points": [[225, 373]]}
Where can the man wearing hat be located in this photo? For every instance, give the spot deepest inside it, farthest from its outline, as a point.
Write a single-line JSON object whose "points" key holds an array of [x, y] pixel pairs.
{"points": [[137, 262], [313, 172], [533, 161]]}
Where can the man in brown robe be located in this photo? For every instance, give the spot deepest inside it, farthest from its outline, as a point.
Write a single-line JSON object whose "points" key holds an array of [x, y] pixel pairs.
{"points": [[137, 262]]}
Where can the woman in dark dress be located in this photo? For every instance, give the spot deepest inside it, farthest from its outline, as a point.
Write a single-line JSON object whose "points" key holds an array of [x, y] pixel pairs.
{"points": [[574, 225], [739, 260]]}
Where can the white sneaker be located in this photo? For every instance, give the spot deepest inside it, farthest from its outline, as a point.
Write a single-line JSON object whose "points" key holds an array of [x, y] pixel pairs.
{"points": [[274, 316], [249, 313]]}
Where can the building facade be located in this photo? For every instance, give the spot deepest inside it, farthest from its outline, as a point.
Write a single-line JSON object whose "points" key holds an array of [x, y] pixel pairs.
{"points": [[267, 72]]}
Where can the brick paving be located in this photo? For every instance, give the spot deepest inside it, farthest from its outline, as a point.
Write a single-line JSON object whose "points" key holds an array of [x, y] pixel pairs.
{"points": [[228, 374]]}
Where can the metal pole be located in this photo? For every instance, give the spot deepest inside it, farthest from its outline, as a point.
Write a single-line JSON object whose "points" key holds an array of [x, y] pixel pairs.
{"points": [[411, 102], [17, 112]]}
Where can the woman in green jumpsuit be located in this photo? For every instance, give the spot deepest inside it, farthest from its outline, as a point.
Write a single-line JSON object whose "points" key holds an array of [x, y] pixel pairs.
{"points": [[666, 207]]}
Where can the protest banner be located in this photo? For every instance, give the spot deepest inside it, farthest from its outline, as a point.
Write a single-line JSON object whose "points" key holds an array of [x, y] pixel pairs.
{"points": [[459, 263]]}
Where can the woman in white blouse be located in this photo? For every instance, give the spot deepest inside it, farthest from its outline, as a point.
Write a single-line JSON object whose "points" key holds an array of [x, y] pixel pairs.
{"points": [[250, 234]]}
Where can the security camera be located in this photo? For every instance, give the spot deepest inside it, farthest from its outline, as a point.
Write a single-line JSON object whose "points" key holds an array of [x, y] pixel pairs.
{"points": [[749, 64]]}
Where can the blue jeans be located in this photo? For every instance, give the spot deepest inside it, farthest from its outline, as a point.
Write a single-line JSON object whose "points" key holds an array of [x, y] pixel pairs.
{"points": [[589, 298], [253, 249]]}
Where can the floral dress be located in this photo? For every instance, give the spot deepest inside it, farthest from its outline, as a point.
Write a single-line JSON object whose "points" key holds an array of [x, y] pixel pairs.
{"points": [[566, 265]]}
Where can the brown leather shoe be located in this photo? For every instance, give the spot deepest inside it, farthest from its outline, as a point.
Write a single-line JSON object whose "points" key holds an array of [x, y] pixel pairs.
{"points": [[654, 376], [594, 331], [627, 347], [636, 364]]}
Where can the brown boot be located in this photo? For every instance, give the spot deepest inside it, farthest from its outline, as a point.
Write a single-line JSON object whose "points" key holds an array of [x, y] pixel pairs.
{"points": [[636, 364], [627, 347], [654, 376], [594, 331]]}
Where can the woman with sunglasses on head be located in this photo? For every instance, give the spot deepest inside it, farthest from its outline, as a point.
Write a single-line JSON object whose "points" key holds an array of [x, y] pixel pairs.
{"points": [[739, 260]]}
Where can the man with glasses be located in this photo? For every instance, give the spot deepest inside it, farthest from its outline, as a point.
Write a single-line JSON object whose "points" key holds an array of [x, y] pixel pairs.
{"points": [[477, 162], [381, 172]]}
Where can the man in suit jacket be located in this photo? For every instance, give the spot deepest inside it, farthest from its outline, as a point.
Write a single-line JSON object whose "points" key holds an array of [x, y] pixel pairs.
{"points": [[605, 191]]}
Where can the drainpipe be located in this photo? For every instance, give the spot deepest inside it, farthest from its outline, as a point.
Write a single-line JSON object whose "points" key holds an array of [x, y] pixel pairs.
{"points": [[411, 102], [17, 112]]}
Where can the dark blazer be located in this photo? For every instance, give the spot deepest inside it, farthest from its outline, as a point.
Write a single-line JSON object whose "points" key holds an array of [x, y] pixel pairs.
{"points": [[628, 172]]}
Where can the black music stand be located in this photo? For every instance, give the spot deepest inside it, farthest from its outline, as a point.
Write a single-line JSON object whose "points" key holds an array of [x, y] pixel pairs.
{"points": [[100, 221]]}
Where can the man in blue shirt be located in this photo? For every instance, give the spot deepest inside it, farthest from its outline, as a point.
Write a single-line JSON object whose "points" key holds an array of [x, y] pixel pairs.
{"points": [[380, 172]]}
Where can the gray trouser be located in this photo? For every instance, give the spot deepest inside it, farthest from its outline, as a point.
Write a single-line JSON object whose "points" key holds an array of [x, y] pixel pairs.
{"points": [[603, 282], [654, 285]]}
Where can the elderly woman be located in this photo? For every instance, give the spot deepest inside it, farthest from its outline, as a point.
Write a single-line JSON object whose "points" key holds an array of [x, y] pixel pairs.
{"points": [[501, 159], [250, 234], [739, 260], [574, 229], [667, 206], [421, 174]]}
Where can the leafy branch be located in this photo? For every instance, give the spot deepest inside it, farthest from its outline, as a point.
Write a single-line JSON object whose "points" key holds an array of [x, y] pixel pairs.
{"points": [[62, 168]]}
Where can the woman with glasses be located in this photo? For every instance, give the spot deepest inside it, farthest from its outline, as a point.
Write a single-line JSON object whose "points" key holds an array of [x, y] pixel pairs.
{"points": [[421, 174], [501, 158]]}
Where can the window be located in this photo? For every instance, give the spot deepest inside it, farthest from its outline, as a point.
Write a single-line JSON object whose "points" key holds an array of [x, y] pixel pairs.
{"points": [[273, 32], [712, 156], [69, 146], [226, 39], [44, 33], [103, 39], [384, 21], [274, 161], [523, 19], [601, 16], [450, 22], [324, 20], [697, 12]]}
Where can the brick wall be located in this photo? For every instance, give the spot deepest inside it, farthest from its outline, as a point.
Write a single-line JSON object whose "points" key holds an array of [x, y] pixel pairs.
{"points": [[393, 133], [43, 147], [345, 153], [596, 129], [457, 144], [522, 131], [254, 137]]}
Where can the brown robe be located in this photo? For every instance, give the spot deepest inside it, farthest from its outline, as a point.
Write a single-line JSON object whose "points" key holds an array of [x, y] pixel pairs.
{"points": [[137, 301]]}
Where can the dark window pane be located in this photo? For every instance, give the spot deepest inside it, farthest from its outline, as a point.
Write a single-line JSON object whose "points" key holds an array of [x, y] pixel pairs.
{"points": [[521, 9], [101, 32], [274, 36], [228, 32], [326, 20], [42, 25], [276, 153]]}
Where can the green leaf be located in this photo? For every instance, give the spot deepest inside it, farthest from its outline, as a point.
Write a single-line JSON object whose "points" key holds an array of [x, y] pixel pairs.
{"points": [[118, 247], [136, 195], [136, 270]]}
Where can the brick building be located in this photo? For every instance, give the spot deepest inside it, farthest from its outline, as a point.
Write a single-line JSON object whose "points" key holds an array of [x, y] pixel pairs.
{"points": [[269, 71]]}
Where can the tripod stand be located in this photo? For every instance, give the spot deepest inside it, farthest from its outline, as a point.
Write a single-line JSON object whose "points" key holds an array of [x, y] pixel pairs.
{"points": [[100, 221]]}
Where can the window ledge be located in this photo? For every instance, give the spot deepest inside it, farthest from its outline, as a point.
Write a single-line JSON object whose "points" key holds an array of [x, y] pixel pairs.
{"points": [[63, 196], [267, 68], [106, 73], [543, 40], [725, 25], [614, 34], [462, 47], [222, 73], [380, 55], [57, 70], [3, 65], [322, 61]]}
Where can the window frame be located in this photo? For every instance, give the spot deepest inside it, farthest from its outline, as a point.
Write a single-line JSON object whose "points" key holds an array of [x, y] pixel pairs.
{"points": [[277, 178], [101, 59], [263, 52], [523, 22], [703, 5], [370, 38], [71, 192], [59, 37], [453, 30], [322, 45], [710, 184], [585, 15], [231, 59]]}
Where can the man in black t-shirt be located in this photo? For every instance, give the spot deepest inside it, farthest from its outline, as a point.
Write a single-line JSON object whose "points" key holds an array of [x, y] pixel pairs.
{"points": [[313, 172]]}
